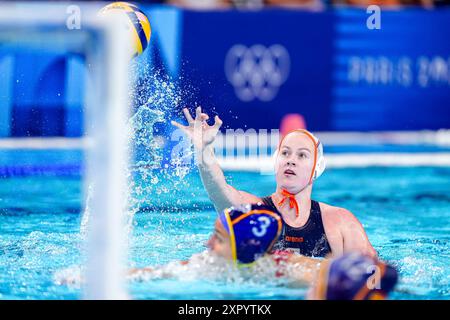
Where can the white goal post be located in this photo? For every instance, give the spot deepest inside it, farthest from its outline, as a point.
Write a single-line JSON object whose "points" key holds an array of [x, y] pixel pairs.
{"points": [[44, 26]]}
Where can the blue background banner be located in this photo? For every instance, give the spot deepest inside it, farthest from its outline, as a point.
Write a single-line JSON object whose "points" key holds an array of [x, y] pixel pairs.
{"points": [[261, 65], [395, 78], [254, 67]]}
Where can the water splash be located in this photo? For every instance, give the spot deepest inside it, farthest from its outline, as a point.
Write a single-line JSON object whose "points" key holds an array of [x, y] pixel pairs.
{"points": [[154, 96], [205, 266], [154, 171], [208, 266]]}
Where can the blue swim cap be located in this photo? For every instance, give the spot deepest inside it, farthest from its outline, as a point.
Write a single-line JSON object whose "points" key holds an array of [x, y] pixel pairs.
{"points": [[356, 277], [253, 230]]}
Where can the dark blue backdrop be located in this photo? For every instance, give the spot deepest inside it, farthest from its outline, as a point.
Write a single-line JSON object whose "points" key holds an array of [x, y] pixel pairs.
{"points": [[254, 67], [304, 42]]}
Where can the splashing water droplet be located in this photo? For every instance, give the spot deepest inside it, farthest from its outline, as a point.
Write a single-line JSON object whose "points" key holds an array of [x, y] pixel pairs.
{"points": [[154, 97]]}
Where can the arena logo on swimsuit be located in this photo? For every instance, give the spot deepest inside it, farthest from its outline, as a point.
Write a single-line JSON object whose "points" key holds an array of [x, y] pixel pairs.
{"points": [[294, 239], [257, 72]]}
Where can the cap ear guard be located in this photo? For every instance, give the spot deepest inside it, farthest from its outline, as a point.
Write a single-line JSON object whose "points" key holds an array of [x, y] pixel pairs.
{"points": [[321, 164]]}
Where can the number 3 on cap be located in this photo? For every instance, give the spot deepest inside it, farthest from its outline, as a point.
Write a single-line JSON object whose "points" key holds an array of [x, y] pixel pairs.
{"points": [[265, 222]]}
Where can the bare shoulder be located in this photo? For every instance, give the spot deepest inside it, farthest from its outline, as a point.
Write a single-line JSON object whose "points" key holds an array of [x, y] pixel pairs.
{"points": [[249, 198], [341, 221], [332, 214], [246, 197]]}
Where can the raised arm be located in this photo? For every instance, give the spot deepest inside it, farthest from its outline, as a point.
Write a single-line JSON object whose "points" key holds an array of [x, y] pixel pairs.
{"points": [[202, 136]]}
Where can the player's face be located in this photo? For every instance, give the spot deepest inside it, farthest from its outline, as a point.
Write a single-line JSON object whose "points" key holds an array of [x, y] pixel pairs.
{"points": [[295, 162], [219, 242]]}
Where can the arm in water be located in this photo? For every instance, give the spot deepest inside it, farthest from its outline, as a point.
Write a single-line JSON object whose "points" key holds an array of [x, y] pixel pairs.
{"points": [[304, 269], [202, 136], [160, 272], [301, 270]]}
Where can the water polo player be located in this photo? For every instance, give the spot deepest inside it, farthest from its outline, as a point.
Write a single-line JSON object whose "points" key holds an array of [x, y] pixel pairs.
{"points": [[353, 277], [246, 234], [241, 249], [310, 228]]}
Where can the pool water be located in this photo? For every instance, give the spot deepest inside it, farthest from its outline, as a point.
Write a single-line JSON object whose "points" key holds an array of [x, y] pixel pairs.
{"points": [[405, 211]]}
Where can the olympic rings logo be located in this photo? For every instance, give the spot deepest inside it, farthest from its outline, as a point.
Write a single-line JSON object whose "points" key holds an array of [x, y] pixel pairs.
{"points": [[257, 72]]}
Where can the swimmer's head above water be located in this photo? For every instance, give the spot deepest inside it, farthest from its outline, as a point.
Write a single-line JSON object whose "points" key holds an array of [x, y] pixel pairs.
{"points": [[299, 161], [354, 277], [245, 233]]}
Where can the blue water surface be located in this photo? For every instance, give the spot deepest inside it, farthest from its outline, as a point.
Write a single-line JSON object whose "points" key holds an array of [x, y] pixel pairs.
{"points": [[405, 211]]}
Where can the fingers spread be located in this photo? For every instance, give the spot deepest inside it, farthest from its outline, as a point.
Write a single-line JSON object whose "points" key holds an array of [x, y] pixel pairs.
{"points": [[204, 117], [217, 122], [198, 113], [187, 115], [176, 124]]}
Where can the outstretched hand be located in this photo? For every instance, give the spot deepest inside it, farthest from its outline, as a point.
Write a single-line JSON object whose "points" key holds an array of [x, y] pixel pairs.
{"points": [[198, 130]]}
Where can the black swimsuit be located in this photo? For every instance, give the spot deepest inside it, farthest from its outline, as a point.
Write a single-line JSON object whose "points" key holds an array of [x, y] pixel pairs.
{"points": [[309, 240]]}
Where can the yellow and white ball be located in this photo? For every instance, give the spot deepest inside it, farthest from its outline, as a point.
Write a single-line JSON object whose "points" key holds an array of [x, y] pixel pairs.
{"points": [[136, 22]]}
